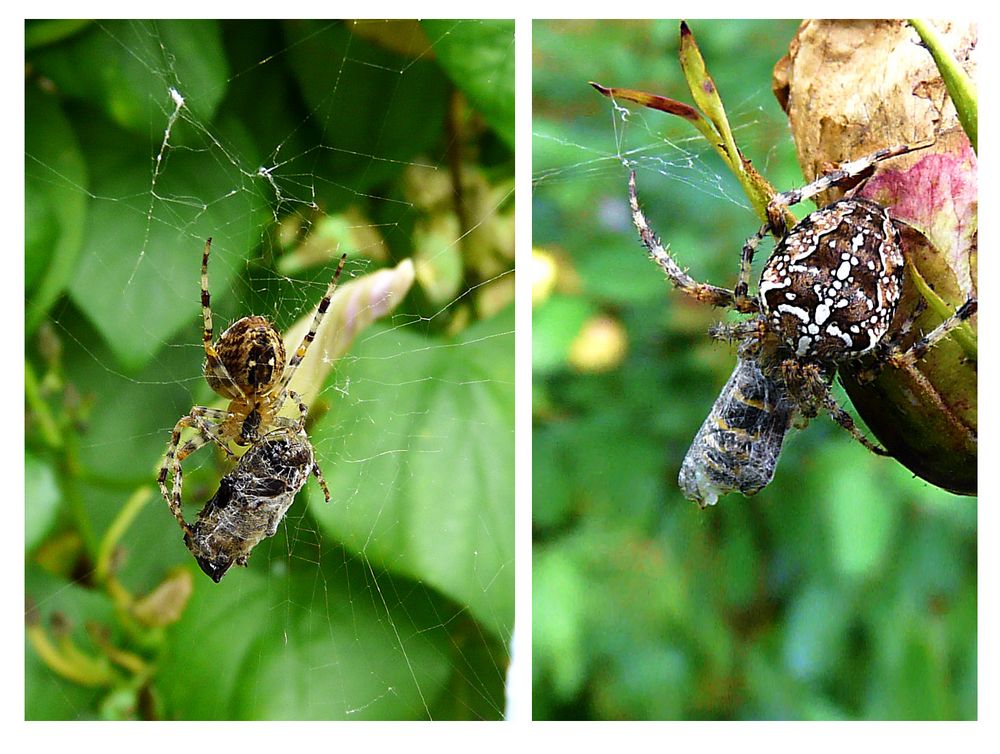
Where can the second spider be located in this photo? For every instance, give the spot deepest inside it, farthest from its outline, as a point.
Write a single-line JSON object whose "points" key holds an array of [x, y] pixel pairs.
{"points": [[827, 296]]}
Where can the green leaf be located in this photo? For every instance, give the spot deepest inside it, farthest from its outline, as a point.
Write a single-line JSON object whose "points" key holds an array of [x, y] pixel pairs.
{"points": [[127, 68], [420, 463], [300, 645], [138, 279], [55, 203], [42, 498], [363, 97], [38, 33], [558, 594], [479, 57]]}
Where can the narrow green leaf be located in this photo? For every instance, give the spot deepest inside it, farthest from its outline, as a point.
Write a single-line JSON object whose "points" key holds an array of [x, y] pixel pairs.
{"points": [[964, 333], [669, 106], [706, 95], [961, 88], [717, 133]]}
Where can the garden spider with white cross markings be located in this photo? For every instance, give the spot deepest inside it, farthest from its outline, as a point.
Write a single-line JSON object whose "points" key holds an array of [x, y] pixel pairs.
{"points": [[827, 296], [246, 366]]}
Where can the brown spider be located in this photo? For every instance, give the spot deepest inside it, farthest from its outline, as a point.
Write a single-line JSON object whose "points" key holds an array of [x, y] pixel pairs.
{"points": [[827, 296], [247, 367]]}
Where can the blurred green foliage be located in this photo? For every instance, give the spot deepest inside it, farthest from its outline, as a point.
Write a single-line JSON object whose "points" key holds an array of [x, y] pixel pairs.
{"points": [[846, 589], [396, 601]]}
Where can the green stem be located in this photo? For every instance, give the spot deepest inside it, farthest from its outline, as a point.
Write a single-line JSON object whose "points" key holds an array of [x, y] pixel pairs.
{"points": [[118, 527], [47, 424], [959, 85], [963, 333]]}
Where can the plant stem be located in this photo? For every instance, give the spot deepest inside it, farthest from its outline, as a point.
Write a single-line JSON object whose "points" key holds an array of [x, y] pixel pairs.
{"points": [[118, 527], [47, 425], [960, 87]]}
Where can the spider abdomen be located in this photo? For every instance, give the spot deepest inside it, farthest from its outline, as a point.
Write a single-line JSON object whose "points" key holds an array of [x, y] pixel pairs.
{"points": [[831, 287], [252, 352]]}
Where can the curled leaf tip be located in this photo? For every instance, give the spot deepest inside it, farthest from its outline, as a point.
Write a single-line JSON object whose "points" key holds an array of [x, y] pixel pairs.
{"points": [[602, 89], [685, 30]]}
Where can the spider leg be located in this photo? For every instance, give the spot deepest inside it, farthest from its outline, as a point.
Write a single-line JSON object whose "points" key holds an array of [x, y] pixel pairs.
{"points": [[710, 294], [846, 171], [743, 301], [900, 358], [732, 332], [866, 372], [198, 419], [213, 364], [202, 418], [303, 413], [811, 390], [303, 409], [300, 426], [322, 482], [844, 420], [170, 462], [283, 421], [324, 304]]}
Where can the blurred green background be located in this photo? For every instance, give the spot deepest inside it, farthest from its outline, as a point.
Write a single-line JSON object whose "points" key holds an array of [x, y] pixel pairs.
{"points": [[297, 140], [845, 589]]}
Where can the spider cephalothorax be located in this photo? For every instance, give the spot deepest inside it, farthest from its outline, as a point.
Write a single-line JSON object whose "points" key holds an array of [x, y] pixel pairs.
{"points": [[827, 295], [247, 366]]}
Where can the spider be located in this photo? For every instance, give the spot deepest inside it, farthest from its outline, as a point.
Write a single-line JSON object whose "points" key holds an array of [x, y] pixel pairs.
{"points": [[827, 296], [246, 366]]}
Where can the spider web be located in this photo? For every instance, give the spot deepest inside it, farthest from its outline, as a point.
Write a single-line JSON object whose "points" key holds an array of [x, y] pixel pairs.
{"points": [[288, 143]]}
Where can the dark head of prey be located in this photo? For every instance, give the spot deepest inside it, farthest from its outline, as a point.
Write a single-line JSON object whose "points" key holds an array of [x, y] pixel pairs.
{"points": [[250, 427]]}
